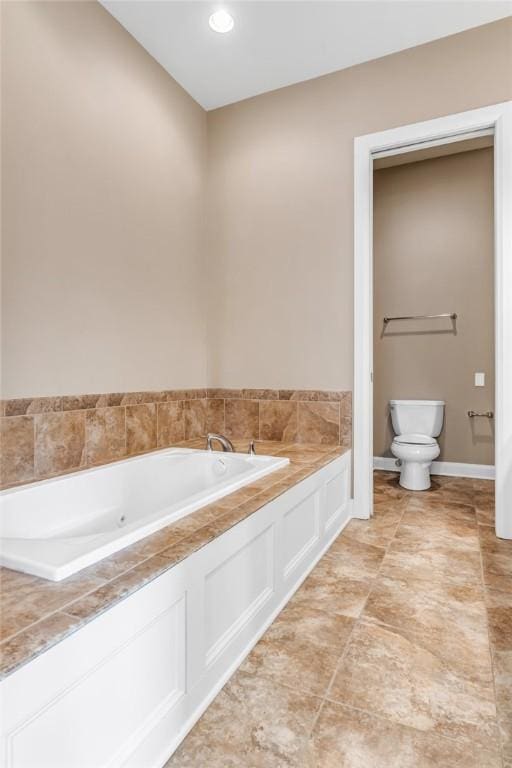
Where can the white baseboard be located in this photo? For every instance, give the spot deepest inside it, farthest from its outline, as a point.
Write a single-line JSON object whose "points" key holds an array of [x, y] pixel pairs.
{"points": [[450, 468]]}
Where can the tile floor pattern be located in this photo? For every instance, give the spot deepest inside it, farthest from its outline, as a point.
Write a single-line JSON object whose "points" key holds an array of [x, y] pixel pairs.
{"points": [[396, 652]]}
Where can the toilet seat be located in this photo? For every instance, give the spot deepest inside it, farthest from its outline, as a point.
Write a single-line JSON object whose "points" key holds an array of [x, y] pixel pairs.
{"points": [[414, 439]]}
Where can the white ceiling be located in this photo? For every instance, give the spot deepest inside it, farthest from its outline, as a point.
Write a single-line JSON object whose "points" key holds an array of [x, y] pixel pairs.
{"points": [[276, 43]]}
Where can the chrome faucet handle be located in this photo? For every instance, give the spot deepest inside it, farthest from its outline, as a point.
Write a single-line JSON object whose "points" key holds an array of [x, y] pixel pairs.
{"points": [[252, 448]]}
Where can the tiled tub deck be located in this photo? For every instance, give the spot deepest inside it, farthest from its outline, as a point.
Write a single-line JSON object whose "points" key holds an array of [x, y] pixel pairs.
{"points": [[35, 614]]}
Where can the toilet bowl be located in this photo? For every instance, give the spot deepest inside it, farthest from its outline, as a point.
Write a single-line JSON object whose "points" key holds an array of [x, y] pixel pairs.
{"points": [[416, 423], [416, 453]]}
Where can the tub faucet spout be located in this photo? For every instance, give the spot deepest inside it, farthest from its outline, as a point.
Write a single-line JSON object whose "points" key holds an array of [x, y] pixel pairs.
{"points": [[227, 445]]}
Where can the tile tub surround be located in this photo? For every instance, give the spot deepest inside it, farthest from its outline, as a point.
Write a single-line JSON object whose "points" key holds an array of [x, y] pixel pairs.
{"points": [[47, 436], [36, 614], [388, 655]]}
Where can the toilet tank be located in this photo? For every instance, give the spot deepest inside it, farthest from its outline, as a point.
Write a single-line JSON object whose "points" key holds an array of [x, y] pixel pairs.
{"points": [[423, 417]]}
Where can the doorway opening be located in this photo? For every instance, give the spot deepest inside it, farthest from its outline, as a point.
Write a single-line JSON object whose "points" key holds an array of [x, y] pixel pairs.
{"points": [[395, 152]]}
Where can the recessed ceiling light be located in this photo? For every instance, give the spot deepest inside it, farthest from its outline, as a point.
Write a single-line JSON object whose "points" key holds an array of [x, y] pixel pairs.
{"points": [[221, 21]]}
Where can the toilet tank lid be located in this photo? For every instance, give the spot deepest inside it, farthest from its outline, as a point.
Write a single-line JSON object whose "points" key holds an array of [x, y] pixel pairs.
{"points": [[416, 402]]}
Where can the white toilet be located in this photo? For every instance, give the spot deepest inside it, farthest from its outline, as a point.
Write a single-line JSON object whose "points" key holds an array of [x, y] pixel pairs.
{"points": [[416, 424]]}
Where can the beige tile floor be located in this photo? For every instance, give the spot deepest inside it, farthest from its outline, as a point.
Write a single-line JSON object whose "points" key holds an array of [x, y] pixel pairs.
{"points": [[396, 652]]}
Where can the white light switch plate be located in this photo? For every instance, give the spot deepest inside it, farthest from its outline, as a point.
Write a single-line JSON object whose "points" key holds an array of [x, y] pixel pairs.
{"points": [[479, 379]]}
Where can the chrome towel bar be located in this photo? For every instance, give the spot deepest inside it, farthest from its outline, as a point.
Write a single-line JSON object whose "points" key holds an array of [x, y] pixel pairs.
{"points": [[486, 414], [451, 315]]}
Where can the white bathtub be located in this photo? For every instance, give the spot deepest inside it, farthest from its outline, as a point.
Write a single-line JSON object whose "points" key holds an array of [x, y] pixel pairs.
{"points": [[56, 527], [141, 673]]}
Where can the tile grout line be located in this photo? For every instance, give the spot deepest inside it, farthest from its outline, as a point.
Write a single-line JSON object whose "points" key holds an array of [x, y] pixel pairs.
{"points": [[325, 697]]}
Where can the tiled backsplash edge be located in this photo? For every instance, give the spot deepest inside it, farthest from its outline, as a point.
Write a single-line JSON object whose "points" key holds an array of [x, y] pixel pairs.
{"points": [[49, 436], [31, 405]]}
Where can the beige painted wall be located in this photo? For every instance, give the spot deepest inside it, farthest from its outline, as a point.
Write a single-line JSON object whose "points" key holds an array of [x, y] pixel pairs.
{"points": [[433, 252], [106, 283], [103, 184], [280, 243]]}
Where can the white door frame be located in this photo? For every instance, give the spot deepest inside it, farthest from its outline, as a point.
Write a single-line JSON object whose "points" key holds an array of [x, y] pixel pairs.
{"points": [[498, 118]]}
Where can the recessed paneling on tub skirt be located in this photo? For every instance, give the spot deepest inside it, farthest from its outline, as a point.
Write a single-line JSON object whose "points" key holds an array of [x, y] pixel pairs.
{"points": [[236, 589], [301, 531]]}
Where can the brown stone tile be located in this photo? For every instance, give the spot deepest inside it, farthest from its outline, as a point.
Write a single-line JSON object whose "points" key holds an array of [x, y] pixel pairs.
{"points": [[457, 489], [346, 432], [348, 738], [192, 542], [346, 406], [492, 544], [440, 530], [278, 420], [252, 723], [304, 454], [133, 398], [215, 421], [267, 447], [242, 419], [311, 395], [502, 663], [183, 394], [385, 507], [211, 513], [301, 648], [485, 517], [452, 630], [26, 599], [259, 394], [34, 640], [195, 418], [16, 407], [496, 560], [59, 442], [386, 487], [32, 405], [406, 559], [385, 673], [483, 497], [318, 423], [140, 428], [16, 449], [126, 559], [499, 614], [423, 506], [80, 402], [353, 558], [170, 423], [505, 726], [327, 591], [222, 393], [138, 398], [105, 435], [112, 399], [483, 485], [379, 530], [494, 580], [112, 592]]}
